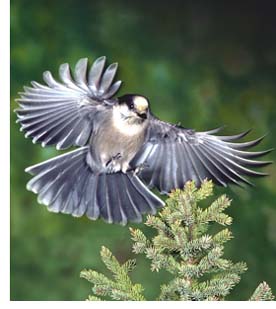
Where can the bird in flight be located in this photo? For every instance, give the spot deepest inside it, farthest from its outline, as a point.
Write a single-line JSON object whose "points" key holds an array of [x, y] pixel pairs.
{"points": [[124, 150]]}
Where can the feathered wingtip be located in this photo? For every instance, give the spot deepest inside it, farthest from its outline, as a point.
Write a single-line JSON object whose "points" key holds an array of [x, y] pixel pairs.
{"points": [[61, 112], [232, 154], [96, 81]]}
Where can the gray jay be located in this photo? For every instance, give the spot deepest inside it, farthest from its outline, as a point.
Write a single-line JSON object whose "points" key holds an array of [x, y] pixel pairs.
{"points": [[124, 150]]}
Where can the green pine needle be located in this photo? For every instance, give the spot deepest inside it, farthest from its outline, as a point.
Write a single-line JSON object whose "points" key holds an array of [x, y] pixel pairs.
{"points": [[182, 246]]}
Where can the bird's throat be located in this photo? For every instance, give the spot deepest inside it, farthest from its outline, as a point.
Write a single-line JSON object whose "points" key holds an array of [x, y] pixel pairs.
{"points": [[127, 125]]}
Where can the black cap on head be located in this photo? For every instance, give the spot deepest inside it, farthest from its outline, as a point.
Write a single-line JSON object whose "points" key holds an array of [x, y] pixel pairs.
{"points": [[135, 101]]}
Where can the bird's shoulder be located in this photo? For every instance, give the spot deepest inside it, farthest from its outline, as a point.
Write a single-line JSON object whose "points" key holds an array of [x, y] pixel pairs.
{"points": [[160, 130]]}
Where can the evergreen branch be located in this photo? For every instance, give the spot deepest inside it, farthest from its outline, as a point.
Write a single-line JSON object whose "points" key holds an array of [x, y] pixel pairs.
{"points": [[262, 293], [195, 246], [119, 289], [222, 237], [182, 246], [156, 223], [99, 280], [93, 298], [140, 242], [113, 265], [215, 212], [177, 289], [216, 288], [205, 190]]}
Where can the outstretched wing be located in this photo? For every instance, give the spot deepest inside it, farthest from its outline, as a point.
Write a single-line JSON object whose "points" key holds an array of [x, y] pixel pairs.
{"points": [[173, 155], [62, 113]]}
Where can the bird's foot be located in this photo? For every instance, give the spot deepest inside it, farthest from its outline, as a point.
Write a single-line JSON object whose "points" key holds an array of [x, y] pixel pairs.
{"points": [[140, 168], [112, 164]]}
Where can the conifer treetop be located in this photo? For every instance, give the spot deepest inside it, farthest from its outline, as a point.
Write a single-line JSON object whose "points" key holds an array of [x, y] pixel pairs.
{"points": [[182, 246]]}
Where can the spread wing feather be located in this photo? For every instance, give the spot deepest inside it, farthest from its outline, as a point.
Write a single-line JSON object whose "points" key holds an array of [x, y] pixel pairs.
{"points": [[61, 112], [172, 155]]}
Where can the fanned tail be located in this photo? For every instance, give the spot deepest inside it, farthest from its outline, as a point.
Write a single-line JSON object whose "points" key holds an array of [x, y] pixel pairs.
{"points": [[67, 184]]}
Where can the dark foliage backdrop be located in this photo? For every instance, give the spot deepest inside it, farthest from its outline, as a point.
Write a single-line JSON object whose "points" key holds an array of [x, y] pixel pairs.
{"points": [[201, 63]]}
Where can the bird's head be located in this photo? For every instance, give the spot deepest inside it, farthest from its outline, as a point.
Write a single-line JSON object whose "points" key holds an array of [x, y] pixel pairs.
{"points": [[133, 108]]}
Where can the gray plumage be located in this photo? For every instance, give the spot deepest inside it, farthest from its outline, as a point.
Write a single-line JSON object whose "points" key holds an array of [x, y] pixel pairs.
{"points": [[125, 150]]}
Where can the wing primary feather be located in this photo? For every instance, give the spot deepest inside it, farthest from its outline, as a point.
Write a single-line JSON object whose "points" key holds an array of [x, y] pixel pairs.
{"points": [[205, 161], [95, 74], [193, 169], [241, 160], [213, 131], [40, 102], [80, 73], [42, 105], [233, 137], [155, 178], [185, 170], [252, 154], [174, 167], [108, 77], [241, 168], [70, 138], [56, 133], [226, 169], [38, 85], [50, 81], [246, 145], [47, 128], [47, 91], [83, 137], [66, 77], [229, 176], [50, 95], [112, 90], [27, 123], [37, 121], [240, 153], [65, 74], [164, 178], [181, 177], [31, 111]]}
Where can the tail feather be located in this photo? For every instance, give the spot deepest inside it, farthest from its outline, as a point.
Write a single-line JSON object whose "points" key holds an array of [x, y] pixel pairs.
{"points": [[67, 184], [93, 209], [131, 206], [59, 160]]}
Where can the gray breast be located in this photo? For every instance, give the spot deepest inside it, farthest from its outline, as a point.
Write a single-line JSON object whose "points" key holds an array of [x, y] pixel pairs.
{"points": [[109, 142]]}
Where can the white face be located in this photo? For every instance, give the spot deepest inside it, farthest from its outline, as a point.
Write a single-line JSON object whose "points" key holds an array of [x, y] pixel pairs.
{"points": [[130, 111], [126, 120], [125, 113]]}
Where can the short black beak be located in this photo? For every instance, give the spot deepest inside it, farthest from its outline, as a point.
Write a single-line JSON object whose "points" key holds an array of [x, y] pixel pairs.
{"points": [[142, 115]]}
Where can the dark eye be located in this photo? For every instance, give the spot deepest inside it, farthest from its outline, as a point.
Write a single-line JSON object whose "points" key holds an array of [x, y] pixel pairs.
{"points": [[131, 105]]}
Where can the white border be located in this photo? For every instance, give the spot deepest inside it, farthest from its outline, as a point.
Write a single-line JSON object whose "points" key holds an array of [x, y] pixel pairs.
{"points": [[5, 153], [5, 202]]}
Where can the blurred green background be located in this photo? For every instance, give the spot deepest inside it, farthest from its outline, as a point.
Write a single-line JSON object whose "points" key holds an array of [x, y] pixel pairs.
{"points": [[203, 64]]}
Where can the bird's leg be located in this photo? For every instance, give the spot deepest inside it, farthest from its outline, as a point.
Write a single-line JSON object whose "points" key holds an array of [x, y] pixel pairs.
{"points": [[117, 156], [112, 163], [140, 167]]}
